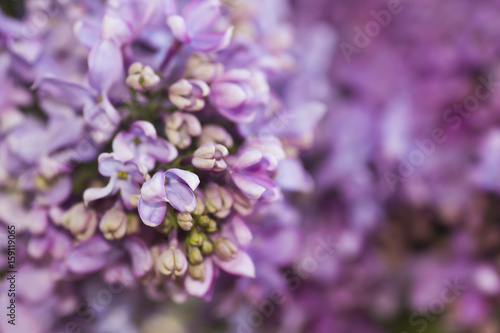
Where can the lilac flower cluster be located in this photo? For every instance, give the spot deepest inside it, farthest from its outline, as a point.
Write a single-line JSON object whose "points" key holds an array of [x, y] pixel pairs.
{"points": [[138, 139]]}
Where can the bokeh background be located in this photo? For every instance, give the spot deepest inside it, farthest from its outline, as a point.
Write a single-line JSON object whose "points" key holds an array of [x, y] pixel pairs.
{"points": [[406, 164]]}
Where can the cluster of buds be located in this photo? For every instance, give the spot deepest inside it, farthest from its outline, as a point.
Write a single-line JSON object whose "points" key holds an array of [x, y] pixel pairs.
{"points": [[142, 78], [80, 221], [189, 95], [181, 127], [210, 157]]}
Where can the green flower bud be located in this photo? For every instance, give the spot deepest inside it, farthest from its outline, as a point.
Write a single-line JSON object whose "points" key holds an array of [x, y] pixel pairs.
{"points": [[204, 220], [195, 239], [211, 227], [195, 256], [207, 247], [196, 272]]}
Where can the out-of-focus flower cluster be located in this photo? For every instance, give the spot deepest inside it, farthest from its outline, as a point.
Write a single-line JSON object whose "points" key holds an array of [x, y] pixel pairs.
{"points": [[158, 152], [139, 139]]}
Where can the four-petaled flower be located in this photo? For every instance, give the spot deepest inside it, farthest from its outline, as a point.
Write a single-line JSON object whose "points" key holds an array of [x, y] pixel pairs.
{"points": [[142, 146], [174, 186], [251, 172], [124, 177], [239, 94]]}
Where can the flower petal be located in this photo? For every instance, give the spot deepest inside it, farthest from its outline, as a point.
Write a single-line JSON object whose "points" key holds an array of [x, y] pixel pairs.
{"points": [[272, 192], [57, 193], [141, 258], [108, 165], [109, 109], [180, 196], [201, 288], [86, 33], [241, 115], [127, 190], [201, 15], [211, 42], [144, 127], [291, 176], [191, 179], [89, 256], [92, 194], [248, 187], [121, 147], [161, 150], [202, 163], [178, 26], [152, 213], [115, 28], [247, 159], [241, 231], [63, 133], [242, 265], [72, 93], [105, 65], [154, 189], [170, 7]]}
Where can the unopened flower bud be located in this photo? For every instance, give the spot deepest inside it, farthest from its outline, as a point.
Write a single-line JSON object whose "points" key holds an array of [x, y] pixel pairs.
{"points": [[195, 239], [172, 260], [202, 68], [196, 272], [80, 221], [180, 128], [200, 205], [195, 256], [211, 227], [188, 95], [185, 221], [218, 200], [207, 247], [141, 77], [113, 224], [204, 220], [210, 157], [225, 249], [133, 224], [215, 134]]}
